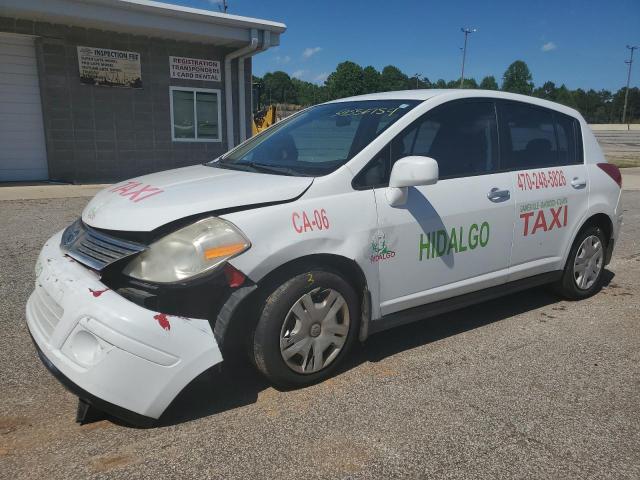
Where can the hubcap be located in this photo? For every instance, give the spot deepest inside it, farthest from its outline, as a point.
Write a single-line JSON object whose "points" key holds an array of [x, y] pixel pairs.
{"points": [[588, 262], [314, 331]]}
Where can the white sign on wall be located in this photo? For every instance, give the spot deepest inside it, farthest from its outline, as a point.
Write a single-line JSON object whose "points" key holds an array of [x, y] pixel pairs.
{"points": [[194, 69], [113, 68]]}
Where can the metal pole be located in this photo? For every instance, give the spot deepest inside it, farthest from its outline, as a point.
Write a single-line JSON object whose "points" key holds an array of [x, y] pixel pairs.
{"points": [[466, 32], [626, 93]]}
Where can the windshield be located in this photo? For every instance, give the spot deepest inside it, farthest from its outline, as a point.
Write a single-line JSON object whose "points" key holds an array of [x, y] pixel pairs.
{"points": [[318, 140]]}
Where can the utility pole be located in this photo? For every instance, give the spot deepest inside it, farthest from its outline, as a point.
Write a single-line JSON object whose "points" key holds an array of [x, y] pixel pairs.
{"points": [[466, 31], [417, 75], [223, 5], [626, 93]]}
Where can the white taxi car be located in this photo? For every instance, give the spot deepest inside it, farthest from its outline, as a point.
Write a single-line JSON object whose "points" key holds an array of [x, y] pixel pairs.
{"points": [[343, 220]]}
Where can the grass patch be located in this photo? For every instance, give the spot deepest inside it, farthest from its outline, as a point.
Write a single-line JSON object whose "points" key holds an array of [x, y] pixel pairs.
{"points": [[624, 162]]}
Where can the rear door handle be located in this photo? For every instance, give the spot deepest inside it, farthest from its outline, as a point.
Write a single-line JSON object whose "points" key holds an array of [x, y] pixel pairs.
{"points": [[497, 195], [578, 183]]}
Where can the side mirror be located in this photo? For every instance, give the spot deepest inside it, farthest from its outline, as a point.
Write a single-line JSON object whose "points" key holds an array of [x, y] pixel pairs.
{"points": [[410, 172]]}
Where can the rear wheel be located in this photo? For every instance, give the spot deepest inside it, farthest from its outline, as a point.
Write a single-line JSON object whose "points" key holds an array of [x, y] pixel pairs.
{"points": [[583, 271], [305, 329]]}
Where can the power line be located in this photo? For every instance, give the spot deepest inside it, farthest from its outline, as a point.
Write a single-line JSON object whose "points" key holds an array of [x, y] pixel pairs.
{"points": [[626, 93], [466, 31]]}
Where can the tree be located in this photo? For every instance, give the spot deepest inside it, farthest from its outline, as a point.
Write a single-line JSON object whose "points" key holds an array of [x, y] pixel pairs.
{"points": [[441, 83], [468, 83], [371, 78], [489, 83], [392, 79], [565, 96], [517, 78], [547, 91], [307, 93], [278, 88], [346, 81]]}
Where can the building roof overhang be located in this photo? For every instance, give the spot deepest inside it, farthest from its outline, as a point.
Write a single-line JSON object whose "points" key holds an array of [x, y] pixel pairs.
{"points": [[146, 17]]}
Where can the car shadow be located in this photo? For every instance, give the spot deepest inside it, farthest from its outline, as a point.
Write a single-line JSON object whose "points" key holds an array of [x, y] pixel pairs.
{"points": [[238, 384]]}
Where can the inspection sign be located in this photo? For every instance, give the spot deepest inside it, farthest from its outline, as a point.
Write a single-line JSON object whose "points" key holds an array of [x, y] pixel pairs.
{"points": [[106, 67], [194, 69]]}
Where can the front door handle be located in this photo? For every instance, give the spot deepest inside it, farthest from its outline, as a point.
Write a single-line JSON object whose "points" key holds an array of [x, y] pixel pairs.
{"points": [[578, 183], [497, 195]]}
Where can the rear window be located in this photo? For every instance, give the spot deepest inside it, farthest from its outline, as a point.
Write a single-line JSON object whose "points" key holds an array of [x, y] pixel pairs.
{"points": [[536, 137]]}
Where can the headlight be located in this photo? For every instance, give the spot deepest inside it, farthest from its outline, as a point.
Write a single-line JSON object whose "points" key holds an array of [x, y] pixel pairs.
{"points": [[188, 252]]}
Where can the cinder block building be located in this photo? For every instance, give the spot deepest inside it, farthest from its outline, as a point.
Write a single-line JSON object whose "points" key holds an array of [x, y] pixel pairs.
{"points": [[101, 90]]}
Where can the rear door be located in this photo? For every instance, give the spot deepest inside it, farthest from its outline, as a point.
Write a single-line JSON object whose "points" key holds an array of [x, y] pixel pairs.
{"points": [[542, 149], [452, 237]]}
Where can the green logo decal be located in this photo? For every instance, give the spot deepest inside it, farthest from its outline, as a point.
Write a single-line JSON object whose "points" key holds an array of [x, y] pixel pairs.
{"points": [[379, 248], [439, 243]]}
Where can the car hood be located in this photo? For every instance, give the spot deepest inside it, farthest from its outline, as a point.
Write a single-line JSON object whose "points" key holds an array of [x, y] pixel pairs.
{"points": [[145, 203]]}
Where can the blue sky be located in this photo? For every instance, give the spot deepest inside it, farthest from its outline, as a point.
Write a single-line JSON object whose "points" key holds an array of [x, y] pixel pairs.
{"points": [[577, 42]]}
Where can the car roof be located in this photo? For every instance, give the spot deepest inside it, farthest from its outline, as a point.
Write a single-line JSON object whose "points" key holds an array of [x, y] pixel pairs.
{"points": [[455, 93]]}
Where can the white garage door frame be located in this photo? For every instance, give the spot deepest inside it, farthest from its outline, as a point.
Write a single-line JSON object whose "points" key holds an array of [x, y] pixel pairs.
{"points": [[23, 153]]}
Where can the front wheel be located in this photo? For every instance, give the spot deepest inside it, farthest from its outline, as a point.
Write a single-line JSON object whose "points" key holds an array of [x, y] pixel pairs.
{"points": [[582, 276], [306, 328]]}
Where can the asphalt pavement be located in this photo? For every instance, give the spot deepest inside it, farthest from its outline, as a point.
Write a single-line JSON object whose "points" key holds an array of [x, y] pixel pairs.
{"points": [[526, 386]]}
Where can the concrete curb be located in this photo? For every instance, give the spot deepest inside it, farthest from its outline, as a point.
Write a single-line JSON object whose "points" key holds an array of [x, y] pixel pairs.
{"points": [[44, 191]]}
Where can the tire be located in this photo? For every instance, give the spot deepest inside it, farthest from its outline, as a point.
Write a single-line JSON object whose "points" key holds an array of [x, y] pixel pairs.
{"points": [[295, 346], [574, 284]]}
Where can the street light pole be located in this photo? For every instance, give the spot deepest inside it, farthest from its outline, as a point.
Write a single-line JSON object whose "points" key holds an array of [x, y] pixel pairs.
{"points": [[417, 75], [466, 31], [626, 93]]}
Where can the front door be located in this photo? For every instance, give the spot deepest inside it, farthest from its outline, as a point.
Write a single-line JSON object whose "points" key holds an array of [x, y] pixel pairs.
{"points": [[453, 237]]}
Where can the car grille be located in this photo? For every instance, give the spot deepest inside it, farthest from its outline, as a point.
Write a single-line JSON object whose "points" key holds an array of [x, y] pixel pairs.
{"points": [[46, 311], [96, 249]]}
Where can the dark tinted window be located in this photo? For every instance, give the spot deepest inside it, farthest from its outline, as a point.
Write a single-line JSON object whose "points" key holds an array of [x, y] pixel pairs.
{"points": [[568, 132], [460, 136]]}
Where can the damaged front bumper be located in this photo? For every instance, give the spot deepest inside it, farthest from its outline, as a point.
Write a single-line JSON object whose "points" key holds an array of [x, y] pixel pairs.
{"points": [[111, 352]]}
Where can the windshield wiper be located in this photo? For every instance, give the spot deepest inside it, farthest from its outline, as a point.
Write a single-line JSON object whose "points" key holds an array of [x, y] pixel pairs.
{"points": [[274, 169]]}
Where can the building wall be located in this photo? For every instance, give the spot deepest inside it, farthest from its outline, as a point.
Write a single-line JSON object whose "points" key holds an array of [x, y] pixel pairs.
{"points": [[96, 133]]}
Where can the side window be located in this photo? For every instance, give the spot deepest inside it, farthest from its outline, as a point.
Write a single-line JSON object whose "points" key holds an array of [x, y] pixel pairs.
{"points": [[568, 132], [460, 136], [375, 173], [528, 137]]}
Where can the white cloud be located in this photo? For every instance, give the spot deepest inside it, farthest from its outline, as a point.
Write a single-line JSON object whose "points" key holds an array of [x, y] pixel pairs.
{"points": [[298, 73], [310, 52], [282, 59], [321, 78], [547, 47]]}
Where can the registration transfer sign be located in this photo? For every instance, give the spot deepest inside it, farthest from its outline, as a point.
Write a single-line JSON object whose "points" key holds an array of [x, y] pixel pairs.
{"points": [[194, 69]]}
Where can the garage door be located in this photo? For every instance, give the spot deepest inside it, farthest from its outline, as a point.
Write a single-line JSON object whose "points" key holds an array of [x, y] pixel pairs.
{"points": [[22, 147]]}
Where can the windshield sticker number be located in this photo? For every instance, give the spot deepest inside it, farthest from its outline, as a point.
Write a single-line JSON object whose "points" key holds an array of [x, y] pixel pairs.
{"points": [[317, 220], [356, 112], [136, 191]]}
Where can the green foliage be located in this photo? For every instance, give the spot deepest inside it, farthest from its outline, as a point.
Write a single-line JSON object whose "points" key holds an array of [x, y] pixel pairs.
{"points": [[489, 83], [371, 79], [351, 79], [392, 79], [517, 78], [346, 81]]}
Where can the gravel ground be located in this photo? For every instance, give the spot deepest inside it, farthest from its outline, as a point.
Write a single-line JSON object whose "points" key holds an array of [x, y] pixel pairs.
{"points": [[524, 386], [621, 147]]}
